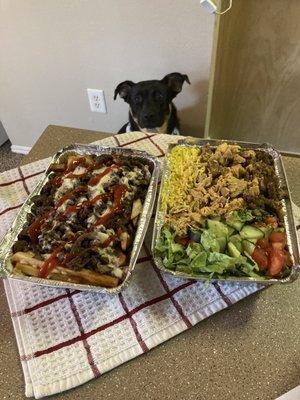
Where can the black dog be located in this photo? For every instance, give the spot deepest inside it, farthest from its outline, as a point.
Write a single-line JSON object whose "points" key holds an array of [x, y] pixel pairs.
{"points": [[150, 104]]}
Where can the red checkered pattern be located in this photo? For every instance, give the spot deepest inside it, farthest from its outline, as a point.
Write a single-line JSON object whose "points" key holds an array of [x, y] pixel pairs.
{"points": [[65, 337]]}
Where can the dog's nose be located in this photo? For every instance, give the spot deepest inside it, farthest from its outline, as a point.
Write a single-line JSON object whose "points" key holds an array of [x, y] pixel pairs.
{"points": [[148, 116]]}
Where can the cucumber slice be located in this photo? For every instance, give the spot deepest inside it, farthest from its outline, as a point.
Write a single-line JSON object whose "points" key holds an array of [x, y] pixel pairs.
{"points": [[248, 247], [217, 227], [230, 230], [237, 241], [251, 232], [237, 225], [232, 250], [176, 247], [267, 230], [253, 240], [254, 264]]}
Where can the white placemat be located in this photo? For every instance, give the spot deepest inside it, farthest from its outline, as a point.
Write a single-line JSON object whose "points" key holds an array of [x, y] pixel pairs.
{"points": [[65, 337]]}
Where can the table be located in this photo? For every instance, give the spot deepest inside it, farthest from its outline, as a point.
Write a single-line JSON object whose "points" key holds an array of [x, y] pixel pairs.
{"points": [[250, 351]]}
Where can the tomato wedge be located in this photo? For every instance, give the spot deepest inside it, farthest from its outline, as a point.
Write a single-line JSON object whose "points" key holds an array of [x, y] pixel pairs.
{"points": [[263, 243], [260, 257], [278, 237], [276, 261]]}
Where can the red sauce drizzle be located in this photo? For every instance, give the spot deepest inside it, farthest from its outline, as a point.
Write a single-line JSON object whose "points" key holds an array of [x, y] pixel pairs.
{"points": [[72, 209], [96, 179], [49, 264], [88, 169], [119, 192], [107, 242], [34, 229], [69, 194], [68, 258], [56, 181], [86, 203], [94, 200], [72, 165]]}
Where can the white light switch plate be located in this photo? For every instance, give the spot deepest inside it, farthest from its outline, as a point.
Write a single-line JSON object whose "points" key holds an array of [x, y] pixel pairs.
{"points": [[209, 5], [97, 100]]}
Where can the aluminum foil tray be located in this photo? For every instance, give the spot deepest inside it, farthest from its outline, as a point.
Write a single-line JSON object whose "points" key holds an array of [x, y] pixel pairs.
{"points": [[20, 221], [286, 205]]}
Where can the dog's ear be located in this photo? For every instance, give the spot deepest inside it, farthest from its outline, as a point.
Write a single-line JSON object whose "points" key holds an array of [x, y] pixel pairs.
{"points": [[123, 89], [175, 81]]}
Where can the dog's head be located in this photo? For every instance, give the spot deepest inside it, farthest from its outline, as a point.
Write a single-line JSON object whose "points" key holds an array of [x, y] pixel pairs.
{"points": [[149, 101]]}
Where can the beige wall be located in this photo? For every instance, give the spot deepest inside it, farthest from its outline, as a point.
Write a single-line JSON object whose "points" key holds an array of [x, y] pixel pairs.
{"points": [[256, 85], [52, 50]]}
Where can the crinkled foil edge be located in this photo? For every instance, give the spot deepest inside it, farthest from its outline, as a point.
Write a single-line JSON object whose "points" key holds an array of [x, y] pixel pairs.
{"points": [[289, 224], [21, 218]]}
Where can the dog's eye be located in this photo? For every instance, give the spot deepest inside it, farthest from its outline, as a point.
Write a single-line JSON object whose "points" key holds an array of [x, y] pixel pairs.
{"points": [[138, 99]]}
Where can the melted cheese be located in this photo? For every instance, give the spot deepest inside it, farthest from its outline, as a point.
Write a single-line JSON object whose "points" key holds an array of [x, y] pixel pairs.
{"points": [[102, 236], [63, 207], [131, 176], [98, 171], [98, 189], [117, 272], [108, 254], [67, 184], [91, 219], [79, 170]]}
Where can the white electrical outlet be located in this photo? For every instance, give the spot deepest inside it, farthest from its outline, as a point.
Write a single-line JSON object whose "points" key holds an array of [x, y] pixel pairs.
{"points": [[97, 100]]}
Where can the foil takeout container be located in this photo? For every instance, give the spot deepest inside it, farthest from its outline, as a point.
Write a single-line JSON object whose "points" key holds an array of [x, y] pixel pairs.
{"points": [[289, 225], [20, 221]]}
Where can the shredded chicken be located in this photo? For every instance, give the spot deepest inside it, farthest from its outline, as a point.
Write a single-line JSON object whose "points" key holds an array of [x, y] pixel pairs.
{"points": [[208, 181]]}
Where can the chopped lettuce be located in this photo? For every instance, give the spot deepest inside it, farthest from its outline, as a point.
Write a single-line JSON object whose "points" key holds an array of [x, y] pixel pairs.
{"points": [[209, 241], [217, 228], [248, 270], [237, 218], [193, 250], [198, 264], [177, 248], [207, 258], [243, 215]]}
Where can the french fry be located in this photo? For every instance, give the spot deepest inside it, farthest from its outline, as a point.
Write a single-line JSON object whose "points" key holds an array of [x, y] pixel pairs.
{"points": [[26, 269], [126, 240], [57, 167], [68, 275], [26, 258], [135, 221], [121, 259], [52, 235], [21, 269], [91, 277], [136, 208], [73, 158]]}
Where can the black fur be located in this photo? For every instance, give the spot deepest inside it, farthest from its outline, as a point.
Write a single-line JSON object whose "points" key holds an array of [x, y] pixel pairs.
{"points": [[150, 102]]}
